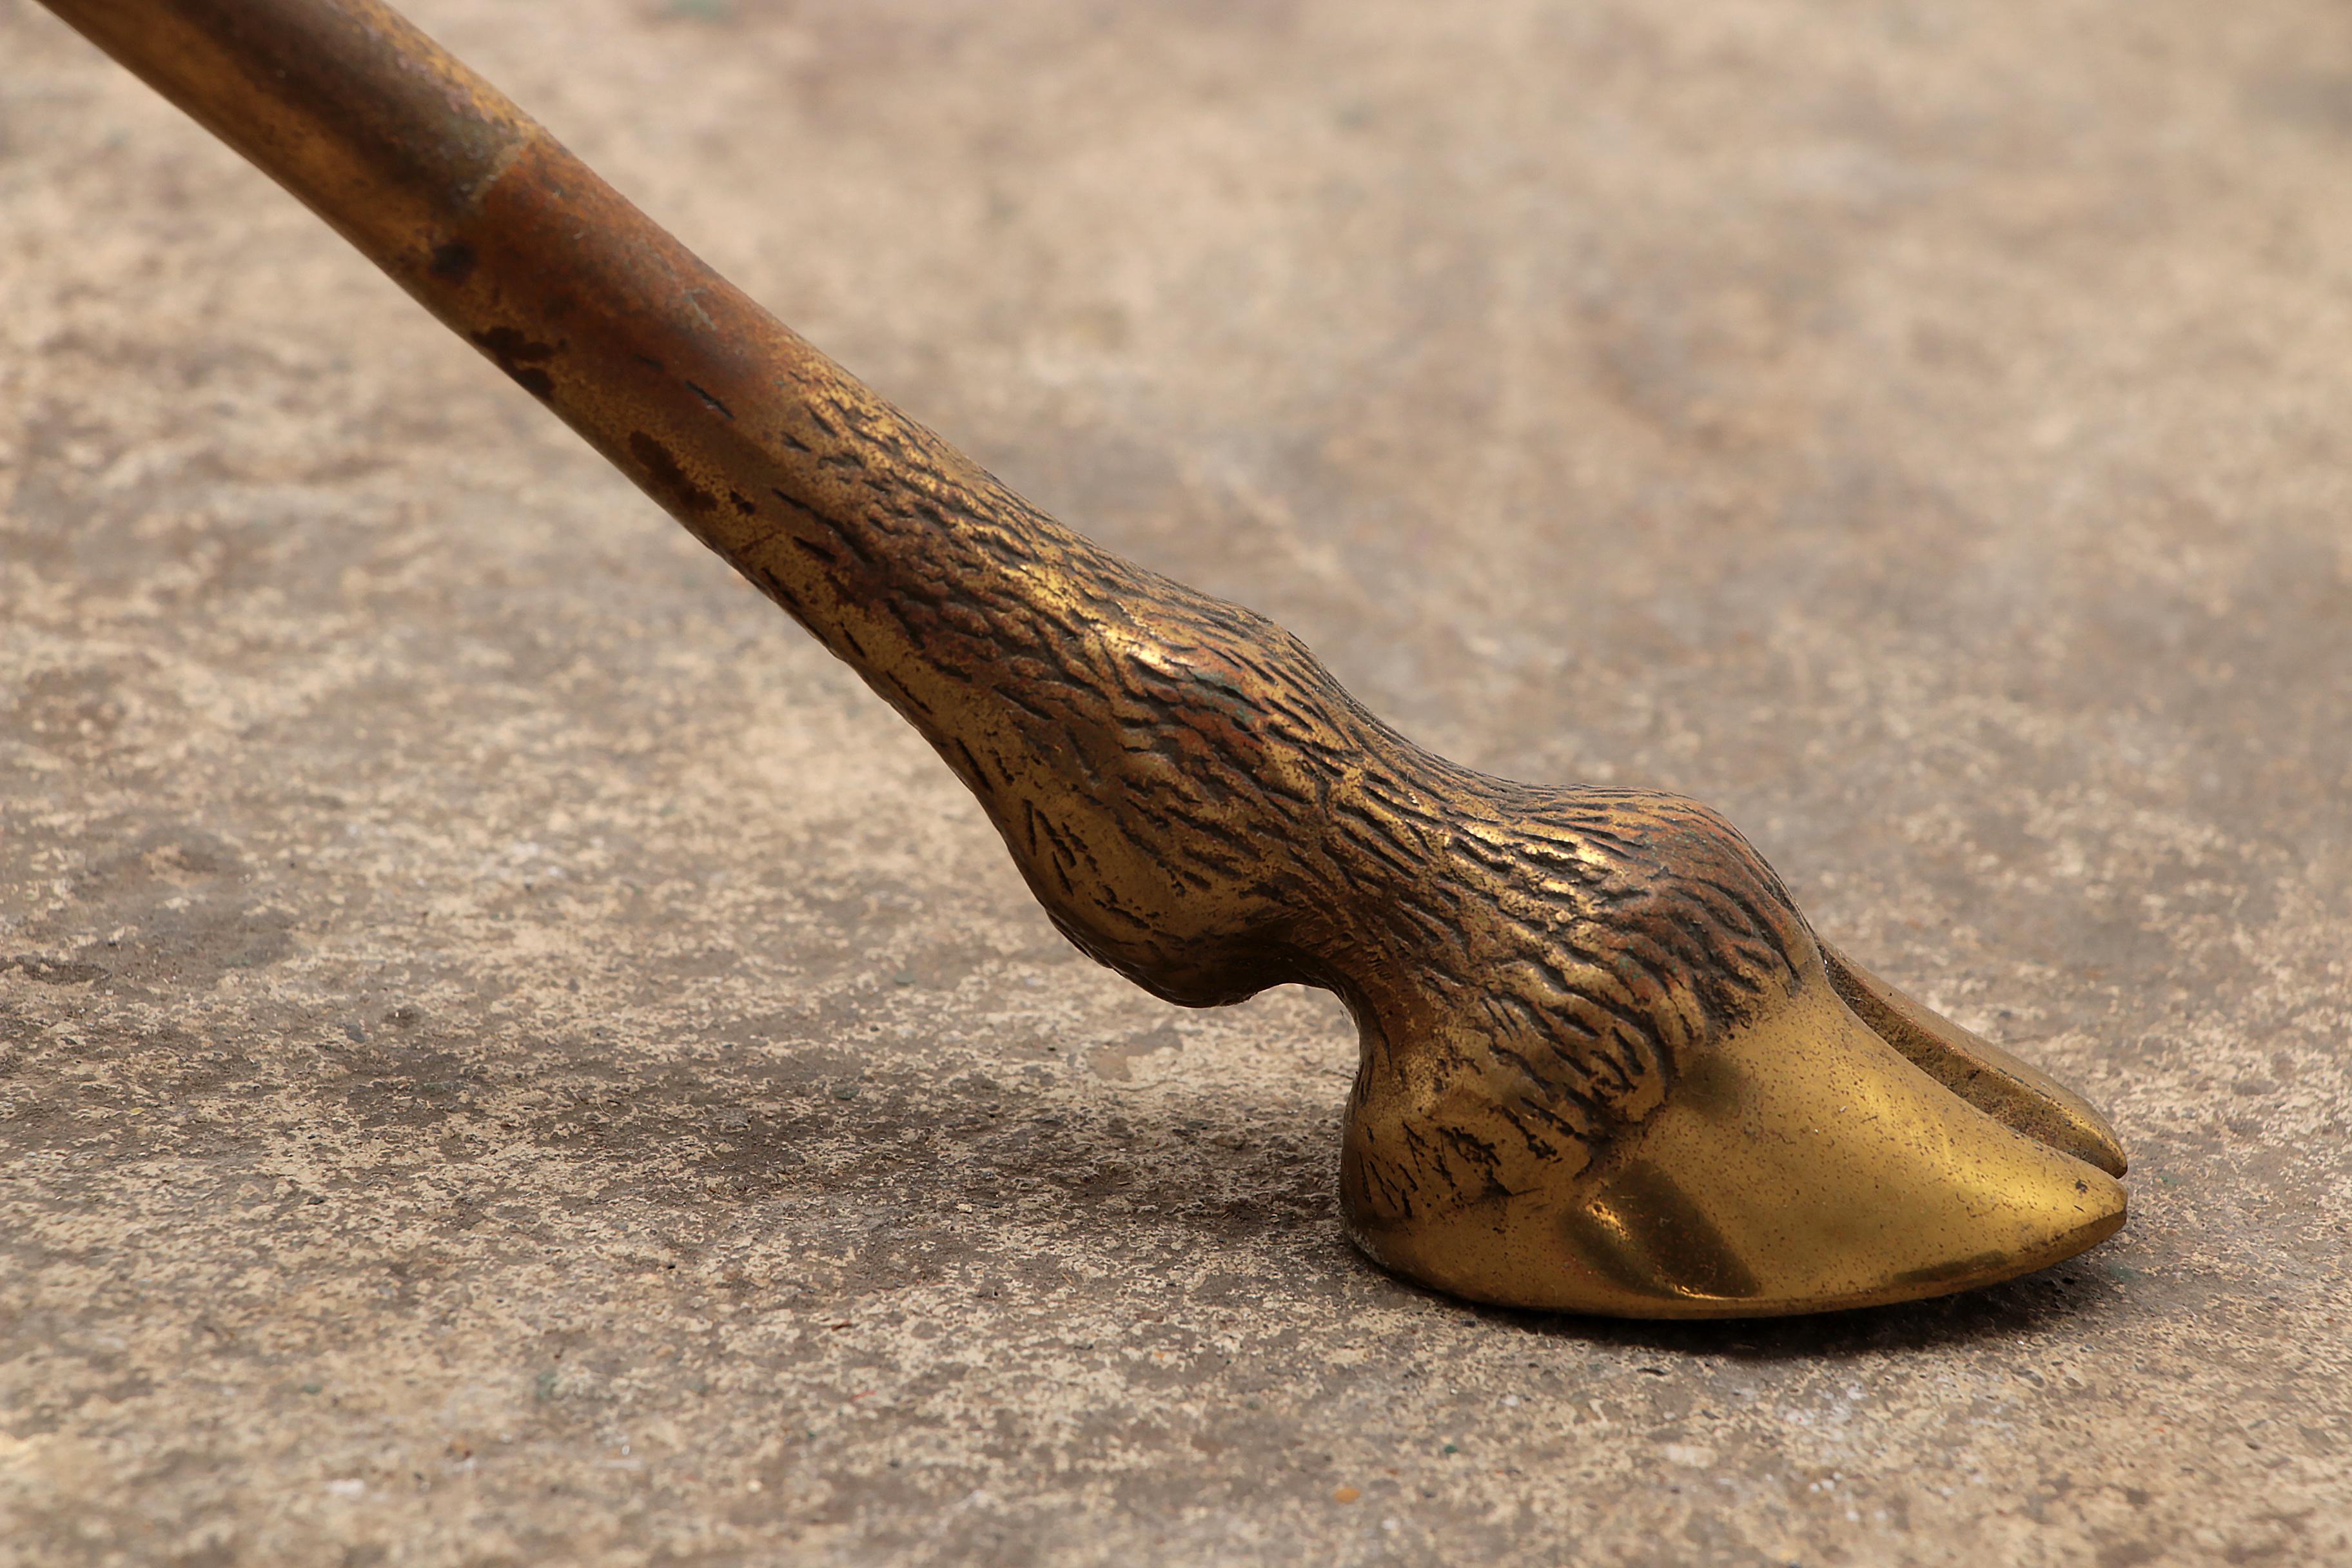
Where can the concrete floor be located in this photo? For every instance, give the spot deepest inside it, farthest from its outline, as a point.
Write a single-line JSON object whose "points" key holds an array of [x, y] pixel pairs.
{"points": [[510, 1056]]}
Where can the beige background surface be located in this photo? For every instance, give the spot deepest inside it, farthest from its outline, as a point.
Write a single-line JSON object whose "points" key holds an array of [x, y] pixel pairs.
{"points": [[508, 1056]]}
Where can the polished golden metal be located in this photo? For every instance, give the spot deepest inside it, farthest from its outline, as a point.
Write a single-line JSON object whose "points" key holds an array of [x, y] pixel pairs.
{"points": [[1606, 1064]]}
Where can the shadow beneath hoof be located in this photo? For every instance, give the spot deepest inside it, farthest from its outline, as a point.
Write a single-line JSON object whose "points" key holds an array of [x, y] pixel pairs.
{"points": [[896, 1172], [2006, 1310]]}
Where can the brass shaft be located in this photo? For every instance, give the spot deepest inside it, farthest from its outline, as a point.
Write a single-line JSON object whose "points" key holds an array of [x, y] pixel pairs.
{"points": [[1011, 643]]}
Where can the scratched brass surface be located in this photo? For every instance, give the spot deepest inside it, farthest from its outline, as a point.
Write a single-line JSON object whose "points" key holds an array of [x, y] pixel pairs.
{"points": [[1606, 1064]]}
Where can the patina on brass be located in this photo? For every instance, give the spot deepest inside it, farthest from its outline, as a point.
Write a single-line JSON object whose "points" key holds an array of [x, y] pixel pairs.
{"points": [[1607, 1066]]}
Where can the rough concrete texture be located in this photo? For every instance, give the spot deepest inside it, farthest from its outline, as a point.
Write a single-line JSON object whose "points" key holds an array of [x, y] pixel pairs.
{"points": [[512, 1057]]}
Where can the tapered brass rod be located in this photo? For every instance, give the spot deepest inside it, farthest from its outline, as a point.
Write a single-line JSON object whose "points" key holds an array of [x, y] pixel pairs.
{"points": [[1606, 1064], [731, 420]]}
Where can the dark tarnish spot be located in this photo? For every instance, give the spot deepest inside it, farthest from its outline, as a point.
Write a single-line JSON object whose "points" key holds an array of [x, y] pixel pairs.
{"points": [[743, 503], [715, 406], [666, 473], [1957, 1268], [453, 261], [519, 356]]}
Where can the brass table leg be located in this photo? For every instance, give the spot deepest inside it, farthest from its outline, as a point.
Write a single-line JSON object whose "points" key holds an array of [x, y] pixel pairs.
{"points": [[1607, 1066]]}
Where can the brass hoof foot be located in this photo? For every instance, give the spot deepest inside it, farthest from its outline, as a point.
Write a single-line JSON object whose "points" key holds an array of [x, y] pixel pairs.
{"points": [[1801, 1165], [1837, 1145]]}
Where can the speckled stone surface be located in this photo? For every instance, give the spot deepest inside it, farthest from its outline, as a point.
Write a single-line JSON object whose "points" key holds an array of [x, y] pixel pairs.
{"points": [[510, 1056]]}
